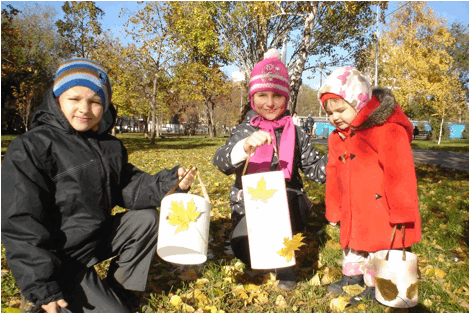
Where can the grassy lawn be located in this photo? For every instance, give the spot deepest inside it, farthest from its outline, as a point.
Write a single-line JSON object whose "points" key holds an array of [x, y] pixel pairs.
{"points": [[220, 284], [454, 145]]}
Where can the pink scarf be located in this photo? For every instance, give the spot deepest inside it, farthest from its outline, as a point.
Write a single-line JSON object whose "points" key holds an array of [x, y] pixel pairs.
{"points": [[261, 160]]}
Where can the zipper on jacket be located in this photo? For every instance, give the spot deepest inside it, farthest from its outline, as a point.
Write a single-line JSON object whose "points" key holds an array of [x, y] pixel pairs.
{"points": [[89, 142]]}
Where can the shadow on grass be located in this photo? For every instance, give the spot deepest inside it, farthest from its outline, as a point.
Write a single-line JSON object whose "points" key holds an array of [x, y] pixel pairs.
{"points": [[140, 143]]}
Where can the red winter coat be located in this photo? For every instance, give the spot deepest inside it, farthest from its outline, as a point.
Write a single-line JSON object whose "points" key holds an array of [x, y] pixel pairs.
{"points": [[371, 180]]}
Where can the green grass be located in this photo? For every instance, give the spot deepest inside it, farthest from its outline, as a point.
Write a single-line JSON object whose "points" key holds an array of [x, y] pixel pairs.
{"points": [[454, 145], [220, 284]]}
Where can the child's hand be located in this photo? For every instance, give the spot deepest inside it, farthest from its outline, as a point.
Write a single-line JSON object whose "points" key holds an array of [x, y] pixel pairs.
{"points": [[53, 307], [257, 139], [188, 180]]}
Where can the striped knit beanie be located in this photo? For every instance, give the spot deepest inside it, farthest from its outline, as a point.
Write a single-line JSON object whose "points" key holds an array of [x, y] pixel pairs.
{"points": [[349, 84], [270, 74], [83, 72]]}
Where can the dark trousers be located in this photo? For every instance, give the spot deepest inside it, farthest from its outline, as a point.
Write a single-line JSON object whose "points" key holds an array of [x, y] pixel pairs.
{"points": [[132, 239]]}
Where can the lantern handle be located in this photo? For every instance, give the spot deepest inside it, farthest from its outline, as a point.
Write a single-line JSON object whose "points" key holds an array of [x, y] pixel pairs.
{"points": [[177, 183], [249, 155], [403, 239], [203, 187]]}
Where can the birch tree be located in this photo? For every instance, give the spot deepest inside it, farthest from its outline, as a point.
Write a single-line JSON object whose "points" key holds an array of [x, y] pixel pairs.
{"points": [[335, 30]]}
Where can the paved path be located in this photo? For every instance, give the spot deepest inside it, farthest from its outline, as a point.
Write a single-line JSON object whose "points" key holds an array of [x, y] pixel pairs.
{"points": [[443, 159]]}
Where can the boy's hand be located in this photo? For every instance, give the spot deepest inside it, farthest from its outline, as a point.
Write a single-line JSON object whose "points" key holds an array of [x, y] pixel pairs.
{"points": [[257, 139], [188, 180], [53, 307]]}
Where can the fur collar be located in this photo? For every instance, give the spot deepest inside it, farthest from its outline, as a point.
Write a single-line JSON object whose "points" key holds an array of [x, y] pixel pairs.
{"points": [[376, 114]]}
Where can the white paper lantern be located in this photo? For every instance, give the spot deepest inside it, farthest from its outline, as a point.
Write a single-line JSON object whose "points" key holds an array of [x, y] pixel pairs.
{"points": [[183, 232], [396, 280], [268, 219]]}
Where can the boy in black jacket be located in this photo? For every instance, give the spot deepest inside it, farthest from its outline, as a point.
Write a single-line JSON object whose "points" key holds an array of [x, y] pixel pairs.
{"points": [[60, 181]]}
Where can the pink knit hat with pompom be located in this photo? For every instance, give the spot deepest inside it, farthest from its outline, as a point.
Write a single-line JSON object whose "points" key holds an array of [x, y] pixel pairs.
{"points": [[349, 84], [270, 74]]}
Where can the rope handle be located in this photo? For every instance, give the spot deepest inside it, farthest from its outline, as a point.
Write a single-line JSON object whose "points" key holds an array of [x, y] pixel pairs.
{"points": [[201, 183], [403, 239], [249, 155], [178, 183]]}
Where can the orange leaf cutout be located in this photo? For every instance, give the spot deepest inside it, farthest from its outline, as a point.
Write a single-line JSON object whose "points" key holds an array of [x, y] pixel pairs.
{"points": [[290, 246], [182, 217], [260, 193]]}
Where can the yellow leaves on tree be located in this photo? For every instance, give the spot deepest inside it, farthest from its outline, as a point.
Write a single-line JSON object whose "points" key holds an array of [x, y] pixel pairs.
{"points": [[290, 246], [181, 217], [260, 193], [414, 62]]}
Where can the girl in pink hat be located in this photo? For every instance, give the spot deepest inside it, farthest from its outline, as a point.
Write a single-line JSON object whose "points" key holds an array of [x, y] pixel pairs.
{"points": [[371, 185], [268, 124]]}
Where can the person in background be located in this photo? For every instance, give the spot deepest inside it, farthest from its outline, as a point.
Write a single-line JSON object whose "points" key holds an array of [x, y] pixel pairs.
{"points": [[415, 132], [310, 125], [296, 119], [60, 183]]}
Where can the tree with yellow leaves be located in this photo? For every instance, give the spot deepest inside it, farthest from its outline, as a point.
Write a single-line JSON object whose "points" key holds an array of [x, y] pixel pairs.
{"points": [[415, 65]]}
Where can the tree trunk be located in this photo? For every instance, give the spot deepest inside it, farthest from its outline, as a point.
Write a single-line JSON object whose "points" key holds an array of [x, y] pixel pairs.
{"points": [[113, 131], [296, 76], [440, 129], [146, 124], [210, 118], [154, 111]]}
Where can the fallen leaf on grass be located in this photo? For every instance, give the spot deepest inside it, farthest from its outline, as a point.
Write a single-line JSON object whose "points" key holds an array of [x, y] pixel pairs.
{"points": [[201, 282], [339, 304], [280, 302], [201, 299], [361, 307], [190, 274], [439, 273], [427, 303], [187, 308], [176, 301], [211, 309], [260, 298], [11, 310], [315, 281], [353, 290], [252, 287]]}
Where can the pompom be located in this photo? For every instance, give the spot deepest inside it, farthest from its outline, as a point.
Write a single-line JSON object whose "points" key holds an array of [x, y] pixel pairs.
{"points": [[272, 53]]}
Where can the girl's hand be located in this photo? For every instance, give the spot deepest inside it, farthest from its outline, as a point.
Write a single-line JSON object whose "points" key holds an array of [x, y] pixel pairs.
{"points": [[188, 180], [257, 139]]}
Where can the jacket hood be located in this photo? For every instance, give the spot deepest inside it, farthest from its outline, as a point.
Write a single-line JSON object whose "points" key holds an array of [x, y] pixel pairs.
{"points": [[49, 113], [380, 109]]}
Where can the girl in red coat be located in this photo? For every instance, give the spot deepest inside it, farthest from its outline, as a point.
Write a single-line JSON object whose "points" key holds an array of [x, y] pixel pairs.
{"points": [[371, 180]]}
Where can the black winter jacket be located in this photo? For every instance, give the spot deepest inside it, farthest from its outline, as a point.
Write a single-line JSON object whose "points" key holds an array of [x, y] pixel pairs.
{"points": [[306, 158], [58, 189]]}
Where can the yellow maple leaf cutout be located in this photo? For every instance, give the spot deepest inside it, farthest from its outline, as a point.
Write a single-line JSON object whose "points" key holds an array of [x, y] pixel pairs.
{"points": [[290, 245], [182, 217], [260, 193]]}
